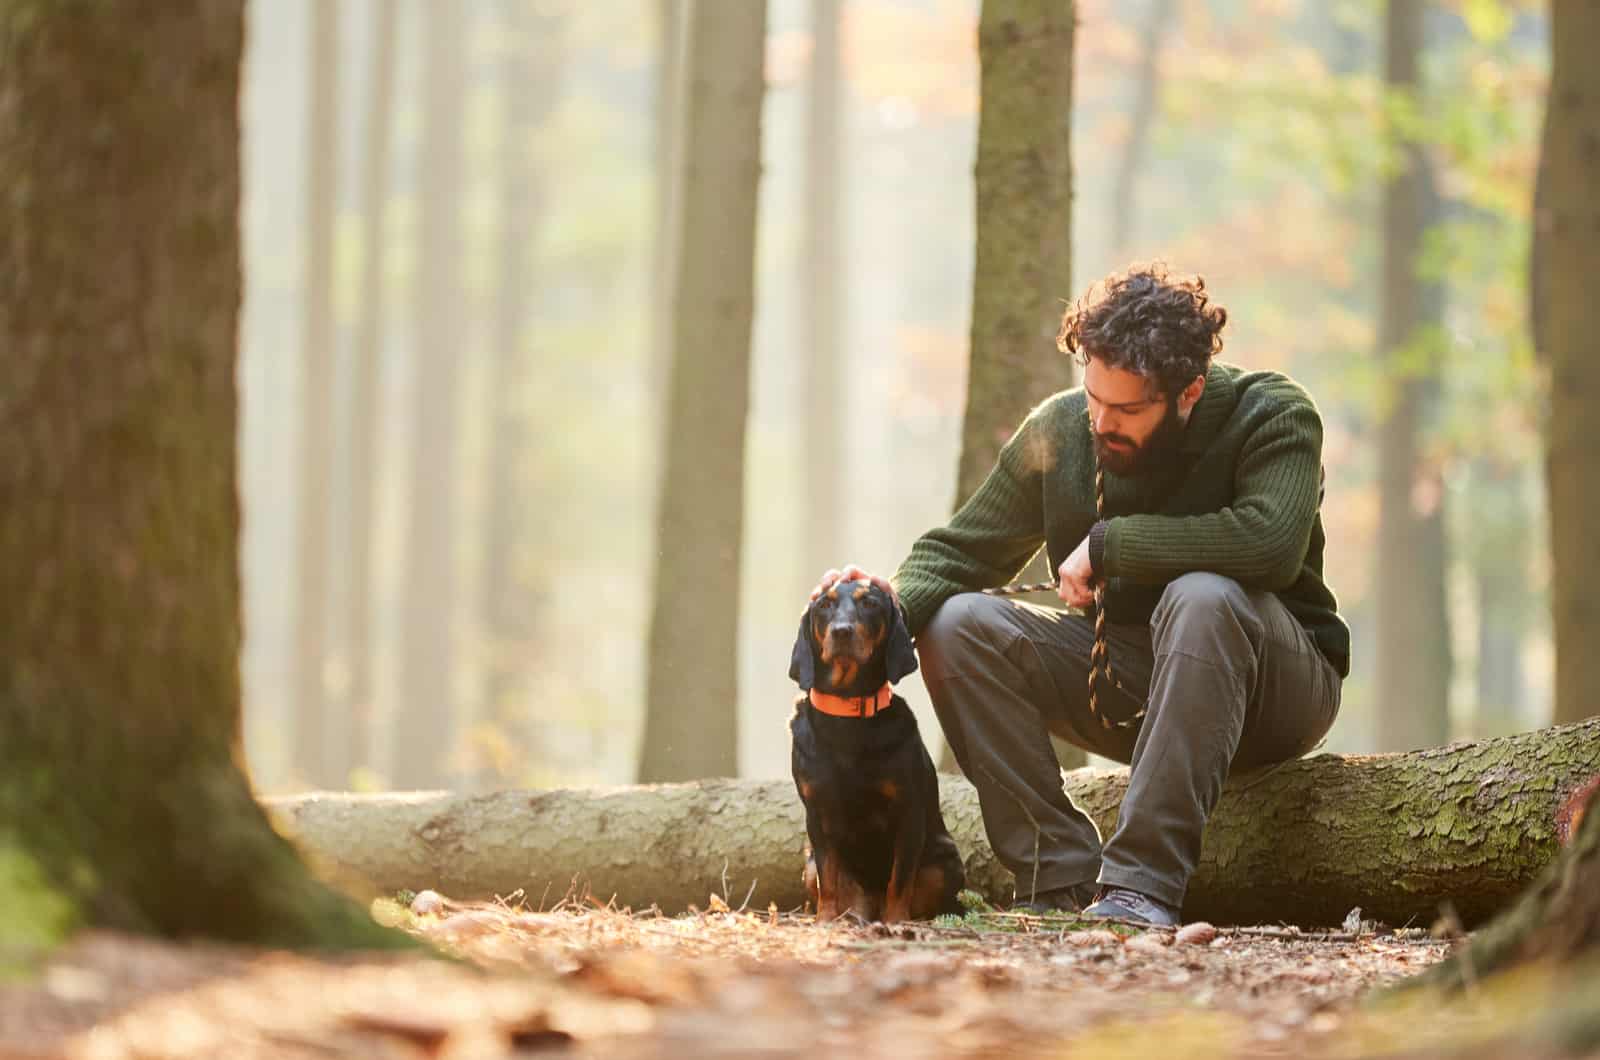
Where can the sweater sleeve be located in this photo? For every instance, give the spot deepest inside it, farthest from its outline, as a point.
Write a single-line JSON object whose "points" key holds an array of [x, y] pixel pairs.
{"points": [[988, 540], [1261, 539]]}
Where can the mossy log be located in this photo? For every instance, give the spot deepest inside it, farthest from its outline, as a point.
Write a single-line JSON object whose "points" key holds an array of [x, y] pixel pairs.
{"points": [[1399, 835]]}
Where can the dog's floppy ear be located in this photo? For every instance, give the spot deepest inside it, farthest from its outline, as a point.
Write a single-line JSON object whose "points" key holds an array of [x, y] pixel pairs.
{"points": [[899, 657], [802, 668]]}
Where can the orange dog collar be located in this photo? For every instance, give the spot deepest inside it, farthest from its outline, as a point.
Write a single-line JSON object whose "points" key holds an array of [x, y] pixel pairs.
{"points": [[852, 706]]}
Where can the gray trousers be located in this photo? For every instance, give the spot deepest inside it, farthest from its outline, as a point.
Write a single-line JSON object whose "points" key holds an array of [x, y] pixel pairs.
{"points": [[1231, 680]]}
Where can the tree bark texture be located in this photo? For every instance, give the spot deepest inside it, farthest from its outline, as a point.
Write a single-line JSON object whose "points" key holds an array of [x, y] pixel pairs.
{"points": [[1023, 265], [119, 517], [313, 759], [366, 383], [1556, 919], [691, 722], [1567, 224], [426, 726], [1471, 824], [1413, 666]]}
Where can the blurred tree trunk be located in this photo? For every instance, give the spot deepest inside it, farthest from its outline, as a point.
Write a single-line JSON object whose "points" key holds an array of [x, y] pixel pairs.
{"points": [[121, 799], [312, 759], [822, 269], [1413, 629], [366, 384], [1146, 97], [691, 720], [531, 74], [426, 727], [1023, 263], [1569, 325], [669, 132], [1497, 540]]}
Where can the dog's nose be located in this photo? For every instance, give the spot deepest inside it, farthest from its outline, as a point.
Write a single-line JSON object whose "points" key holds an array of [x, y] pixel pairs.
{"points": [[841, 631]]}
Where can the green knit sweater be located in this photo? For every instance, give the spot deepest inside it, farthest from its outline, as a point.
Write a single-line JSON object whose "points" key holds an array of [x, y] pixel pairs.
{"points": [[1242, 500]]}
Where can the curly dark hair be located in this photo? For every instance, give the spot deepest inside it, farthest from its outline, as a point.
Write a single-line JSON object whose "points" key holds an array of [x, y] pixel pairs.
{"points": [[1145, 320]]}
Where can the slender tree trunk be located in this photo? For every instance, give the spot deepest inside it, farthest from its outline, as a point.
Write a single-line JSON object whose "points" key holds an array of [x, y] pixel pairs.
{"points": [[312, 759], [1023, 266], [671, 17], [691, 722], [531, 79], [822, 272], [1569, 316], [121, 799], [1413, 670], [1146, 96], [426, 727], [366, 384], [1497, 539]]}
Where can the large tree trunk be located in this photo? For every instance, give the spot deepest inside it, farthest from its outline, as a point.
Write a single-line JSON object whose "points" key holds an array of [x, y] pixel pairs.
{"points": [[312, 760], [426, 726], [1469, 824], [1413, 667], [1569, 324], [691, 720], [366, 383], [1023, 266], [822, 273], [1023, 260], [121, 800], [531, 75]]}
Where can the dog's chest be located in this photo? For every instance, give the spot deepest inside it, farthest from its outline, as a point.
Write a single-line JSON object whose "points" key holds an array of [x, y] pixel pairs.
{"points": [[854, 781]]}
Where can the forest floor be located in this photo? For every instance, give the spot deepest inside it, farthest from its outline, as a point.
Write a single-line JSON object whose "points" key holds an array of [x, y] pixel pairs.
{"points": [[586, 981]]}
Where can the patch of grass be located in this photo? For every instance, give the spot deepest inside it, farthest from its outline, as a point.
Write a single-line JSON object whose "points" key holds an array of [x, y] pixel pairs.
{"points": [[973, 902], [37, 915]]}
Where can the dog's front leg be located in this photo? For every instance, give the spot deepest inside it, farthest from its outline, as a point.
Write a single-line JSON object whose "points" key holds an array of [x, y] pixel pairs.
{"points": [[909, 841]]}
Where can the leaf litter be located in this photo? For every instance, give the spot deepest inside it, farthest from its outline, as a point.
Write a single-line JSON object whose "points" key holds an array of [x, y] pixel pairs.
{"points": [[585, 980]]}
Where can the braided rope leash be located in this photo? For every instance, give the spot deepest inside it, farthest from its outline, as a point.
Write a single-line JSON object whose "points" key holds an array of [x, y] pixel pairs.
{"points": [[1100, 655]]}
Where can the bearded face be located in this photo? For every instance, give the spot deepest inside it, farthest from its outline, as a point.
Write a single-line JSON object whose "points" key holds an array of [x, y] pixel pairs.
{"points": [[1135, 428]]}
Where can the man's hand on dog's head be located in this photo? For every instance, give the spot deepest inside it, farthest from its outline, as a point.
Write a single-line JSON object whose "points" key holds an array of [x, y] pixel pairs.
{"points": [[852, 573]]}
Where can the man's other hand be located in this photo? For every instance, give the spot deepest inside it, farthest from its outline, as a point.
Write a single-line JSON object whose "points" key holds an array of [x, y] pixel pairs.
{"points": [[852, 573], [1077, 577]]}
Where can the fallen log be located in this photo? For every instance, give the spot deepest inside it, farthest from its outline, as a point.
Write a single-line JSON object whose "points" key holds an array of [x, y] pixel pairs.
{"points": [[1399, 835]]}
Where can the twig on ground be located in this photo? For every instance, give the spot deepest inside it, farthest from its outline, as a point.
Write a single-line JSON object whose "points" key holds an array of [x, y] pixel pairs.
{"points": [[1033, 891]]}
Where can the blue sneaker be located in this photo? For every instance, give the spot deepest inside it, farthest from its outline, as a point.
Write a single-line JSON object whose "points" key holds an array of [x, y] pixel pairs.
{"points": [[1121, 903]]}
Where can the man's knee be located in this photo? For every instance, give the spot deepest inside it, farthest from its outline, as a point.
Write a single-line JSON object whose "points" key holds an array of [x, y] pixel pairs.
{"points": [[1199, 600], [959, 634], [1203, 591]]}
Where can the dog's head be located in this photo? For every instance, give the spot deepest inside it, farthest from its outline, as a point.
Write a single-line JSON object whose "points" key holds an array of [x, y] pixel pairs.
{"points": [[852, 639]]}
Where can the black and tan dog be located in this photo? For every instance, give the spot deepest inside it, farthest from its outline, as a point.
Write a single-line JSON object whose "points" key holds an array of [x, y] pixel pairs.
{"points": [[878, 846]]}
